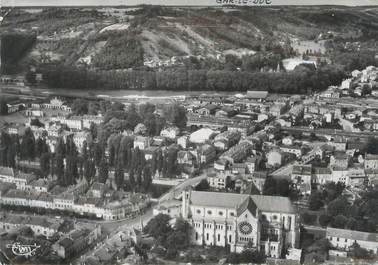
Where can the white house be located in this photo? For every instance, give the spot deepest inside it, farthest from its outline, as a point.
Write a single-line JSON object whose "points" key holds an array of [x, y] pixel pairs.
{"points": [[274, 157], [170, 132], [344, 239], [142, 142], [201, 136]]}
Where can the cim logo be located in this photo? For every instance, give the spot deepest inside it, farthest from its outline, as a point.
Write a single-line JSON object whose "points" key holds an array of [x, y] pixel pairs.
{"points": [[244, 2], [23, 250]]}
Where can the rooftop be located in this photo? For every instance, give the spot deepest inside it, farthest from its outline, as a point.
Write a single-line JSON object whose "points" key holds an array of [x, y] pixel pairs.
{"points": [[371, 157], [302, 169], [6, 171], [257, 94], [232, 200], [351, 234]]}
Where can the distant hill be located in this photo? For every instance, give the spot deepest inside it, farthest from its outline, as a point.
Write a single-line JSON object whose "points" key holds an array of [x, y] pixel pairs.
{"points": [[194, 46], [111, 38]]}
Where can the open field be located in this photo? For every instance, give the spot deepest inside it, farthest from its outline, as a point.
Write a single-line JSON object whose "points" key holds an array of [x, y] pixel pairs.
{"points": [[17, 117]]}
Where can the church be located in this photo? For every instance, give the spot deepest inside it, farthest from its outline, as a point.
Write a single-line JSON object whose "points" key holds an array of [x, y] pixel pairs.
{"points": [[266, 223]]}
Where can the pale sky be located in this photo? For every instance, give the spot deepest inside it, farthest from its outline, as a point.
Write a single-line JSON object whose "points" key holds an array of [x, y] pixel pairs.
{"points": [[178, 2]]}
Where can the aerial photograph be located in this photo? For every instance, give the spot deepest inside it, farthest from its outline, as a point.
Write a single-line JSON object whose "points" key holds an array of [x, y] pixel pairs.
{"points": [[188, 132]]}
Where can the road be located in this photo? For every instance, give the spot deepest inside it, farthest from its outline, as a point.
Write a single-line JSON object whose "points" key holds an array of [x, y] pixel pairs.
{"points": [[176, 191], [348, 126], [285, 170], [107, 226], [330, 132], [136, 222]]}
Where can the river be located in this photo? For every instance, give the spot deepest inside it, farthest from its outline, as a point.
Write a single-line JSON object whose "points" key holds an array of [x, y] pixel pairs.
{"points": [[115, 94], [132, 93]]}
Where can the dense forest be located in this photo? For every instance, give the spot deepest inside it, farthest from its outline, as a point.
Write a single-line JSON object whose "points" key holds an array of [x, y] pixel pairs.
{"points": [[121, 51], [13, 47], [302, 80]]}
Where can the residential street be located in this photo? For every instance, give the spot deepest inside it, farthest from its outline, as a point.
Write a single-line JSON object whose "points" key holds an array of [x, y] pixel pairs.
{"points": [[111, 228], [175, 191]]}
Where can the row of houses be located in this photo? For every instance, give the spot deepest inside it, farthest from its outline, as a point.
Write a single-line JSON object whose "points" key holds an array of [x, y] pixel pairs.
{"points": [[39, 225], [78, 122], [355, 175], [55, 103], [96, 207], [344, 240], [21, 189]]}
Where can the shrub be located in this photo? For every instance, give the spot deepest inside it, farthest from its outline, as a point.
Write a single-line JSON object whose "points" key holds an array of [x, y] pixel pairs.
{"points": [[324, 220], [309, 218]]}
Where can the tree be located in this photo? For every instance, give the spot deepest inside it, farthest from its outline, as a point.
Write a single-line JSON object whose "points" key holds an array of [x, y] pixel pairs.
{"points": [[146, 110], [98, 153], [147, 179], [3, 106], [71, 172], [324, 220], [319, 250], [132, 181], [230, 184], [138, 173], [111, 155], [277, 187], [28, 145], [308, 218], [246, 256], [359, 252], [103, 171], [39, 146], [339, 221], [118, 106], [36, 122], [5, 141], [371, 146], [93, 130], [338, 206], [234, 258], [89, 170], [171, 162], [59, 168], [60, 147], [84, 151], [178, 238], [249, 255], [176, 115], [31, 77], [203, 185], [45, 164], [351, 224], [71, 149], [11, 156], [315, 201], [79, 106], [93, 108], [119, 177], [159, 228], [133, 117], [332, 191]]}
